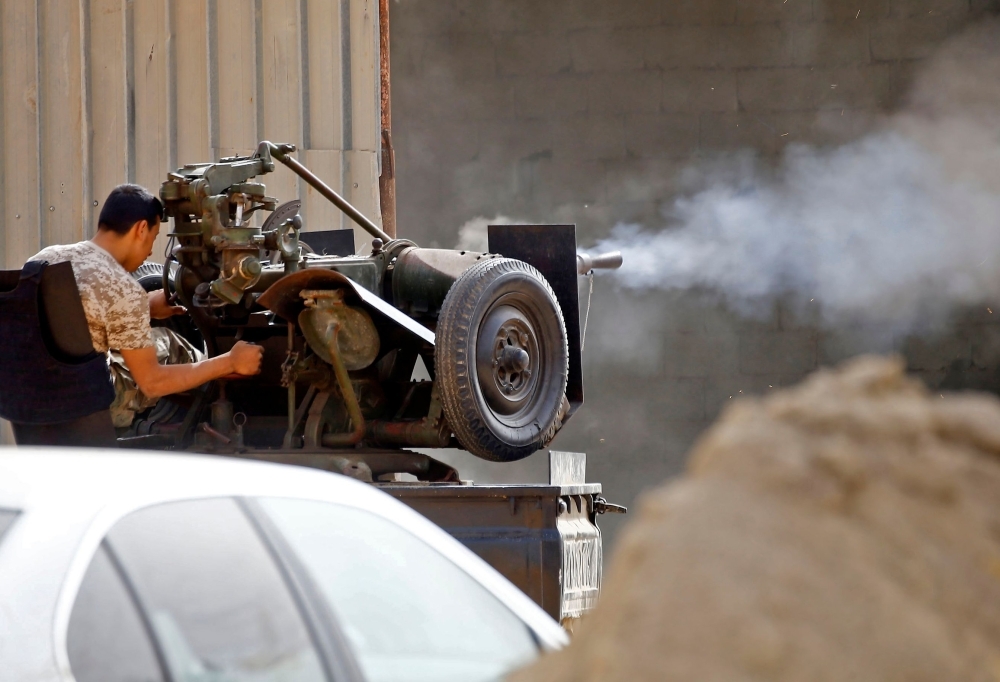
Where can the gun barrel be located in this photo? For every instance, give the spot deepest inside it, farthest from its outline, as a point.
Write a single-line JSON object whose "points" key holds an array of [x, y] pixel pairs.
{"points": [[612, 260]]}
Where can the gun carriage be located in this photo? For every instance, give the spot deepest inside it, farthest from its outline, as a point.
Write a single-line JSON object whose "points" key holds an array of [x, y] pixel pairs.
{"points": [[344, 333]]}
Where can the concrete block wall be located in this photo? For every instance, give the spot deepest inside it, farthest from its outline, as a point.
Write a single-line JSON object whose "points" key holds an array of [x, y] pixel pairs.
{"points": [[603, 111]]}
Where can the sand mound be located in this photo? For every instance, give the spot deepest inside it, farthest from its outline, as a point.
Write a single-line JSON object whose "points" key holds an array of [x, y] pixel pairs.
{"points": [[845, 529]]}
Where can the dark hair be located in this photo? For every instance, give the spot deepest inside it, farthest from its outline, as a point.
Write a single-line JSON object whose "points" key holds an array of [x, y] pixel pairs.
{"points": [[126, 205]]}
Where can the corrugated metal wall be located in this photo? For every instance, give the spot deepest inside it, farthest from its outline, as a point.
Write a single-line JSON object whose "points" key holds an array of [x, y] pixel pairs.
{"points": [[99, 92]]}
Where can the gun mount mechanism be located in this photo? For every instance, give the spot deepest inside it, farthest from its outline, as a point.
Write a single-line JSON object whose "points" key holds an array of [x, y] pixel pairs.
{"points": [[344, 333]]}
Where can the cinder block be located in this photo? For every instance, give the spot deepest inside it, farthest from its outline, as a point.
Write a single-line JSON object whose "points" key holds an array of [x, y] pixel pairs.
{"points": [[986, 346], [839, 344], [633, 92], [732, 132], [422, 190], [697, 354], [590, 137], [951, 351], [981, 7], [622, 337], [698, 12], [643, 180], [784, 89], [669, 47], [407, 57], [822, 128], [467, 56], [604, 50], [499, 16], [421, 141], [756, 46], [553, 97], [605, 14], [517, 138], [679, 399], [913, 38], [871, 86], [532, 54], [782, 353], [921, 8], [437, 96], [684, 312], [831, 43], [408, 18], [661, 134], [699, 90], [479, 187], [570, 182], [853, 10], [772, 11], [723, 391]]}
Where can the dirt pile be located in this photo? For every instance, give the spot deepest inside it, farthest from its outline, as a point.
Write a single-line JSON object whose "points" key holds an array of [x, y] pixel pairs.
{"points": [[845, 529]]}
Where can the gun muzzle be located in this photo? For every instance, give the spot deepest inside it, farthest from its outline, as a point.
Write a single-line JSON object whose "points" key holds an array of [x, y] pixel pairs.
{"points": [[612, 260]]}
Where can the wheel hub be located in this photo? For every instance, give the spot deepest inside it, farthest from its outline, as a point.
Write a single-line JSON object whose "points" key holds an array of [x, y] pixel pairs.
{"points": [[507, 352]]}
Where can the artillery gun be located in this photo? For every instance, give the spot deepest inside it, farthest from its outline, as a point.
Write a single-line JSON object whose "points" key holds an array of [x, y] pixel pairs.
{"points": [[344, 333]]}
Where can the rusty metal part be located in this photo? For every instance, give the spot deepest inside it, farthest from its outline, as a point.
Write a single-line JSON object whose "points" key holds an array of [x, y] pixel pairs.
{"points": [[283, 297], [364, 463], [222, 412], [317, 422], [387, 180], [421, 433], [432, 431], [333, 328], [222, 438], [241, 270], [602, 506], [281, 152]]}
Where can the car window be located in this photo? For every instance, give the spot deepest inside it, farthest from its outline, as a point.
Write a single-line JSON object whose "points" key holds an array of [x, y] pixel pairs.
{"points": [[409, 612], [107, 639], [7, 517], [217, 603]]}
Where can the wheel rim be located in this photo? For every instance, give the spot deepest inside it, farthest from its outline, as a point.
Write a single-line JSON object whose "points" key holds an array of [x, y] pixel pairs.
{"points": [[508, 359]]}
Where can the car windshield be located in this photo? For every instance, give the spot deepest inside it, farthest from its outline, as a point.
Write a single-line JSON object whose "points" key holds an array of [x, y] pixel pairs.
{"points": [[7, 517], [406, 609]]}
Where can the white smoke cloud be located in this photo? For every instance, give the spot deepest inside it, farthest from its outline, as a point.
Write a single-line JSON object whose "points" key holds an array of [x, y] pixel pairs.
{"points": [[473, 235], [899, 227]]}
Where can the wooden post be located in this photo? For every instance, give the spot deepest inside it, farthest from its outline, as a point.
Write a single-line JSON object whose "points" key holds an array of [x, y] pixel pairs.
{"points": [[386, 181]]}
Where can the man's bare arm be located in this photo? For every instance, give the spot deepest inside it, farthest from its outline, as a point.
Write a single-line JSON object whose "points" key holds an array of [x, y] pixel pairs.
{"points": [[156, 380], [160, 307]]}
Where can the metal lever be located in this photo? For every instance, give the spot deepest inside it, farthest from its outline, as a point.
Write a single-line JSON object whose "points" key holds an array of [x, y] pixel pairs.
{"points": [[612, 260], [281, 152], [602, 506]]}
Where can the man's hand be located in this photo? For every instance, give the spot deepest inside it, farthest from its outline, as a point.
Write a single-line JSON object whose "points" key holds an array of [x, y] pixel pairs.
{"points": [[160, 308], [246, 358], [156, 380]]}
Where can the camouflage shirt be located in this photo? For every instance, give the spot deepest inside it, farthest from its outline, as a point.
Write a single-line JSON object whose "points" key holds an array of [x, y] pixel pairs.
{"points": [[116, 306]]}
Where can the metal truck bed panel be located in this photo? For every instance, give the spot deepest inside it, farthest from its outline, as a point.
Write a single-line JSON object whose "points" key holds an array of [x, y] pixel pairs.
{"points": [[543, 538]]}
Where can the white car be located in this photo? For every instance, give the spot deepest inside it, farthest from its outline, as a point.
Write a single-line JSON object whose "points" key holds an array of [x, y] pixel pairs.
{"points": [[134, 567]]}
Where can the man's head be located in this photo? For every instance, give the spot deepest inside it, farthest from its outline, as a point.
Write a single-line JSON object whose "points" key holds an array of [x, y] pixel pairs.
{"points": [[132, 216]]}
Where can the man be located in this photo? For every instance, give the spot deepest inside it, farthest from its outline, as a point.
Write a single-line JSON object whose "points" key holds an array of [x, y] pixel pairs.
{"points": [[119, 310]]}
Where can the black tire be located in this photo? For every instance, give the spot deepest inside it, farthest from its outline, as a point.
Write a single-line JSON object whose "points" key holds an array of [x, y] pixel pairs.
{"points": [[502, 360]]}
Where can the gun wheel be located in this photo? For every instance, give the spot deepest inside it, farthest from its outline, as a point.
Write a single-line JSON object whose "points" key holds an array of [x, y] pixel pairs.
{"points": [[502, 360]]}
